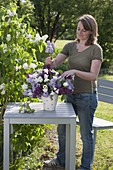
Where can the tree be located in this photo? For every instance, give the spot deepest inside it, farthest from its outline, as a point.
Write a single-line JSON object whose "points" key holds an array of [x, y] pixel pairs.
{"points": [[54, 17], [105, 20], [57, 18]]}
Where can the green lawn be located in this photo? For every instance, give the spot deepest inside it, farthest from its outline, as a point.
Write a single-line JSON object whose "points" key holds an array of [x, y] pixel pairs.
{"points": [[60, 43], [104, 149]]}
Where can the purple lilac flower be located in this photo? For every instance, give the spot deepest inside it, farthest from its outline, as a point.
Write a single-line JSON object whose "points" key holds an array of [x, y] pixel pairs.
{"points": [[28, 92], [48, 66], [52, 83], [27, 75], [58, 85], [37, 92], [29, 80], [64, 91], [50, 47]]}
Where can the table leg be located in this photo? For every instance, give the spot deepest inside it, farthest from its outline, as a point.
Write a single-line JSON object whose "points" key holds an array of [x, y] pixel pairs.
{"points": [[67, 159], [6, 145], [11, 148], [70, 146]]}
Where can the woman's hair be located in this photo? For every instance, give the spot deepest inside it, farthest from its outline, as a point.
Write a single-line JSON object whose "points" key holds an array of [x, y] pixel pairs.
{"points": [[89, 24]]}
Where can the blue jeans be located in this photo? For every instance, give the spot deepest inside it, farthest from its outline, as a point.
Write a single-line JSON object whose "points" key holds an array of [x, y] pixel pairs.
{"points": [[84, 105]]}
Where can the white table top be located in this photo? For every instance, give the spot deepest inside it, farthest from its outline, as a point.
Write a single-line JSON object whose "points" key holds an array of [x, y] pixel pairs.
{"points": [[63, 110]]}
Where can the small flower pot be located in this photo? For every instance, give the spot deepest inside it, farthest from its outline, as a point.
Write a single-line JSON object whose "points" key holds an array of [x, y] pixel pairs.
{"points": [[50, 102]]}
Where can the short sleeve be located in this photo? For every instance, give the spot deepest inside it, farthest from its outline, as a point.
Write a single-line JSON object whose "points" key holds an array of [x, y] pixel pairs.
{"points": [[97, 53], [65, 50]]}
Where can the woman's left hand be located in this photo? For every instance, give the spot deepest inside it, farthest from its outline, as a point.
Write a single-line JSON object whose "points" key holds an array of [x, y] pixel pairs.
{"points": [[69, 73]]}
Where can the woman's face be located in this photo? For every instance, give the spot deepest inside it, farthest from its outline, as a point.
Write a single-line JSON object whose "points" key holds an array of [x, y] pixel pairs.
{"points": [[82, 34]]}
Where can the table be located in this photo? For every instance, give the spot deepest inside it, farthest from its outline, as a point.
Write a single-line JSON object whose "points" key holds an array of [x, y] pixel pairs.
{"points": [[64, 114]]}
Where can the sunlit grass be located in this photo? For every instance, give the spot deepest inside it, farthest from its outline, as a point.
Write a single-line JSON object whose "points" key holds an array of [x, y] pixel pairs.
{"points": [[106, 76], [60, 43], [103, 159]]}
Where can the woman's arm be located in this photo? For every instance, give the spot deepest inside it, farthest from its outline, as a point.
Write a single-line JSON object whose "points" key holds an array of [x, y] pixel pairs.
{"points": [[58, 60], [91, 76]]}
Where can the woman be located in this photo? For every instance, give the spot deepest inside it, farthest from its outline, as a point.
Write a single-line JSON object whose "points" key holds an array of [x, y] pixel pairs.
{"points": [[85, 57]]}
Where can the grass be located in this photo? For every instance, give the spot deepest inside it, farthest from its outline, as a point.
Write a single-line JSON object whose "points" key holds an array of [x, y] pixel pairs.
{"points": [[103, 159], [107, 77], [60, 43]]}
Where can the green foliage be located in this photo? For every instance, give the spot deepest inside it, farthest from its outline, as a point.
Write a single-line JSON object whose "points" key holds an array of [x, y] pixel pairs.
{"points": [[105, 25], [25, 137], [19, 44], [34, 160], [25, 108]]}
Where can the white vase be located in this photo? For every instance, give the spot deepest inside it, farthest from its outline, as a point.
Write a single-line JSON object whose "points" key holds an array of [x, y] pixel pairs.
{"points": [[50, 102]]}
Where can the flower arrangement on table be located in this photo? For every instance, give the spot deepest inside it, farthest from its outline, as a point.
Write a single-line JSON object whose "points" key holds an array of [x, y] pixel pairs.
{"points": [[45, 82]]}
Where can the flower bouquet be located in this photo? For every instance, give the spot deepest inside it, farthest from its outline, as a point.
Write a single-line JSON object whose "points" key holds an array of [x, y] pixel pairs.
{"points": [[47, 82]]}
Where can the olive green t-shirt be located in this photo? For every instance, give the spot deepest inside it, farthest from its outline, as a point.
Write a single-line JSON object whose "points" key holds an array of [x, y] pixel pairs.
{"points": [[82, 61]]}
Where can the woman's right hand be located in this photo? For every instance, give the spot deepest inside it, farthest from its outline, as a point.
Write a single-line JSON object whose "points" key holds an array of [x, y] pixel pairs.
{"points": [[48, 60]]}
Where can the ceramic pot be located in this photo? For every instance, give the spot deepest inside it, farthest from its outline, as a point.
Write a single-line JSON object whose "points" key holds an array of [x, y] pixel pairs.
{"points": [[50, 102]]}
